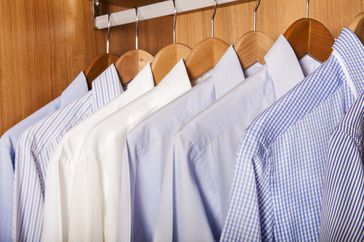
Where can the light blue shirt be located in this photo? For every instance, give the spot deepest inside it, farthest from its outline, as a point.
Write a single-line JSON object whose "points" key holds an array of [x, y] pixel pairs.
{"points": [[36, 146], [342, 217], [8, 144], [204, 150], [279, 174], [149, 142]]}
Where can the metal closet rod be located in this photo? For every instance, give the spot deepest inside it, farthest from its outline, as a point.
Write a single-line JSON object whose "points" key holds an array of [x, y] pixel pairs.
{"points": [[155, 10]]}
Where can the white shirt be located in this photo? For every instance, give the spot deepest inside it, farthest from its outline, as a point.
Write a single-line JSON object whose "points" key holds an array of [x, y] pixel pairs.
{"points": [[309, 64], [100, 194], [201, 170], [55, 224], [149, 142]]}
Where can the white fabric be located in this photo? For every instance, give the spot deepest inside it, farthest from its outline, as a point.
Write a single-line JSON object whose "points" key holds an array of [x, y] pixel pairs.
{"points": [[309, 64], [56, 196], [253, 69], [283, 80], [100, 195]]}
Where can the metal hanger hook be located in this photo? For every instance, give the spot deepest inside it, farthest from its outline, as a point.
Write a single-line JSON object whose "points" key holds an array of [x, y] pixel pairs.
{"points": [[108, 33], [307, 8], [255, 15], [213, 20], [137, 30], [174, 21]]}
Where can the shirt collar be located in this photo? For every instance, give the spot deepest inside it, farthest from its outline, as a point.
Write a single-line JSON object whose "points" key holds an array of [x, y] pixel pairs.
{"points": [[177, 76], [75, 90], [227, 73], [283, 66], [143, 79], [105, 88], [351, 50]]}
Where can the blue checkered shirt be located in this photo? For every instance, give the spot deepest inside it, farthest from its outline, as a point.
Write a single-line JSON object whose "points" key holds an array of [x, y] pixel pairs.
{"points": [[278, 181], [36, 146], [342, 217]]}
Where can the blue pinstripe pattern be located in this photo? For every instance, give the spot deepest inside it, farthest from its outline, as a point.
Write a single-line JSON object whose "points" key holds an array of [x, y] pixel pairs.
{"points": [[36, 146], [342, 217], [278, 180]]}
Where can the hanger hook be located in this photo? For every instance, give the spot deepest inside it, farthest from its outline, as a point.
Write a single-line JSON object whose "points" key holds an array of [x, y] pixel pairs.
{"points": [[255, 15], [174, 21], [307, 8], [213, 20], [108, 33], [137, 30]]}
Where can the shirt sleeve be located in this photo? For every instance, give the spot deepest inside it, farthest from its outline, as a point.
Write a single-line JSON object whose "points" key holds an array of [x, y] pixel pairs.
{"points": [[28, 195], [6, 191], [249, 211], [100, 206], [190, 220], [343, 198]]}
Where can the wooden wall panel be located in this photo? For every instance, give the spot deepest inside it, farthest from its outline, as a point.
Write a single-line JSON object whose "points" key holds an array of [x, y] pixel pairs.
{"points": [[44, 43]]}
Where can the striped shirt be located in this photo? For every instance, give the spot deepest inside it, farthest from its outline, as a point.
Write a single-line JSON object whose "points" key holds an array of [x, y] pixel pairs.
{"points": [[8, 141], [278, 180], [342, 217], [36, 146]]}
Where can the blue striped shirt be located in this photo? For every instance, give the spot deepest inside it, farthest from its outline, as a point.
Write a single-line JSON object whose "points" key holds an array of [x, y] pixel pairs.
{"points": [[278, 180], [8, 141], [36, 146], [342, 217]]}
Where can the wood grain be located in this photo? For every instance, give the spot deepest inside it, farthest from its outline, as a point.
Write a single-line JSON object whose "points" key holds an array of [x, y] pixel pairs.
{"points": [[310, 37], [252, 47], [131, 63], [44, 44], [205, 56]]}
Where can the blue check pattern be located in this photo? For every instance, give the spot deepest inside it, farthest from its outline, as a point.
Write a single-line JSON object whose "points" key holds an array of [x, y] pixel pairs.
{"points": [[278, 181], [342, 217], [36, 146]]}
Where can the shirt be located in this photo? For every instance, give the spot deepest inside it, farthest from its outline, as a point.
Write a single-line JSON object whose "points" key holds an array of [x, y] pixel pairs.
{"points": [[342, 217], [309, 64], [36, 146], [100, 194], [149, 141], [76, 89], [278, 180], [204, 149], [70, 148]]}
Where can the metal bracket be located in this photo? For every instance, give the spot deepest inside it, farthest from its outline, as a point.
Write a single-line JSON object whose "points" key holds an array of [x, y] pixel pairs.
{"points": [[95, 10]]}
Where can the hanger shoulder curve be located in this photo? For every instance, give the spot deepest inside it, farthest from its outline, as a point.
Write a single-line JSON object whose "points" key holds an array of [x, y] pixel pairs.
{"points": [[357, 26], [99, 65], [167, 58], [131, 63], [252, 47], [205, 56], [309, 36]]}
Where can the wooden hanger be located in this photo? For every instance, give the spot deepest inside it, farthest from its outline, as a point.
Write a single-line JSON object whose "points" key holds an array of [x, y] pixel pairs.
{"points": [[310, 37], [206, 54], [253, 46], [168, 57], [102, 62], [357, 26], [133, 61]]}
